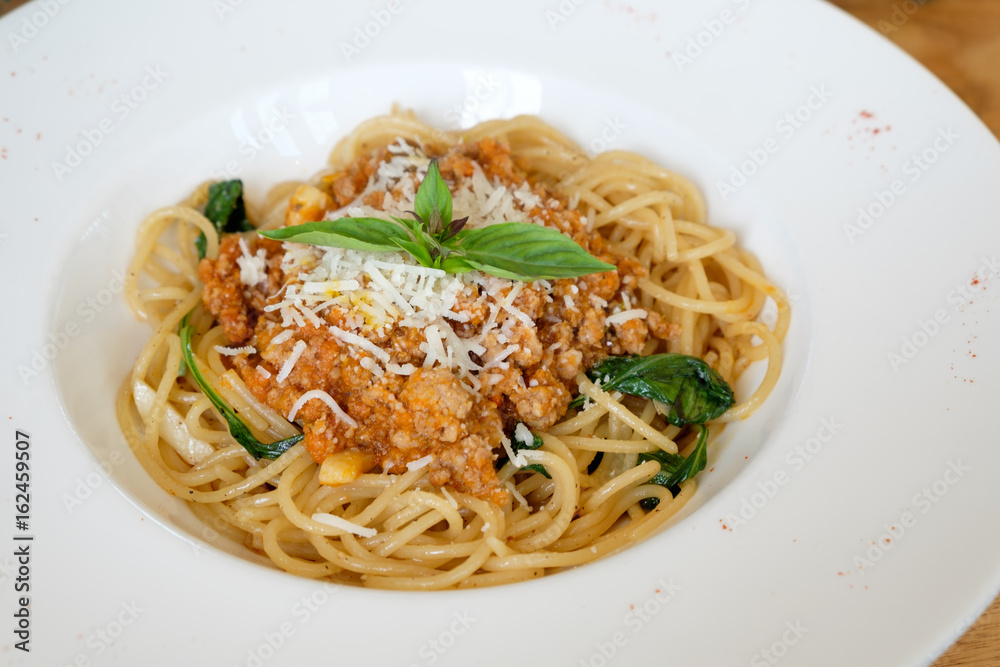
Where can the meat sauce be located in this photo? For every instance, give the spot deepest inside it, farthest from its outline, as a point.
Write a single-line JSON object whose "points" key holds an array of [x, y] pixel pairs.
{"points": [[401, 418]]}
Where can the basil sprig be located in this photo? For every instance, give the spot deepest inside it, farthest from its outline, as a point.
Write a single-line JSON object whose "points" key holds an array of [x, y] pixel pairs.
{"points": [[675, 468], [225, 210], [240, 432], [688, 390], [514, 250]]}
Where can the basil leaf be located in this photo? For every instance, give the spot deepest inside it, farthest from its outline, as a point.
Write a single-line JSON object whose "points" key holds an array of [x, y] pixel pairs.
{"points": [[433, 201], [409, 223], [522, 251], [516, 446], [452, 228], [226, 211], [690, 391], [454, 263], [675, 468], [353, 233], [513, 250], [237, 428], [539, 468], [536, 443], [418, 250]]}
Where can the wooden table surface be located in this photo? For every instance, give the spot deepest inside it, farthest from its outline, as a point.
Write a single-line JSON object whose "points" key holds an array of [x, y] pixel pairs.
{"points": [[959, 41]]}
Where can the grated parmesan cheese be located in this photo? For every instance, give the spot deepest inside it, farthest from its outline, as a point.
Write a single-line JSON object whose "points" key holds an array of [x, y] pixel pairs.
{"points": [[234, 351], [626, 315], [524, 435], [514, 492], [343, 524], [451, 499], [321, 395], [253, 268], [422, 462], [286, 369], [282, 337], [363, 343], [516, 458], [372, 366]]}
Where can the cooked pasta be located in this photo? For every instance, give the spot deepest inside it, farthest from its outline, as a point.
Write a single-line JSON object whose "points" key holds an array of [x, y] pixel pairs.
{"points": [[420, 392]]}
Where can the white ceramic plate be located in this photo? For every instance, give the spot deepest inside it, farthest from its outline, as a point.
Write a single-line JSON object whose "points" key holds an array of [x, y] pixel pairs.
{"points": [[849, 522]]}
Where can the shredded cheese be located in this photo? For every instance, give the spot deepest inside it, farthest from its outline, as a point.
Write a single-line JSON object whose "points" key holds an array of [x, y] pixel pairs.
{"points": [[234, 351], [363, 343], [451, 499], [253, 268], [282, 337], [626, 315], [343, 524], [516, 458], [321, 395], [514, 492], [286, 369], [524, 435], [422, 462]]}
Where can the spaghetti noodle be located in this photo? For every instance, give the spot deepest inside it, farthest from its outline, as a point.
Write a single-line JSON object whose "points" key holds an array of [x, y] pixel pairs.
{"points": [[437, 515]]}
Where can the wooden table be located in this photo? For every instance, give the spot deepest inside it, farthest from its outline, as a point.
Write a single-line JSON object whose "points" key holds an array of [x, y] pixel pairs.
{"points": [[959, 41]]}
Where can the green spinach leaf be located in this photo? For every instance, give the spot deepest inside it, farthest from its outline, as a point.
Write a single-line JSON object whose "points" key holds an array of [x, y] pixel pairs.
{"points": [[675, 468], [240, 432], [688, 390], [226, 210]]}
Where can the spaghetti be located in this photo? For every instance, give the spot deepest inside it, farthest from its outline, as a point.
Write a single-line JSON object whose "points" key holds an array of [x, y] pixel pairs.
{"points": [[454, 354]]}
